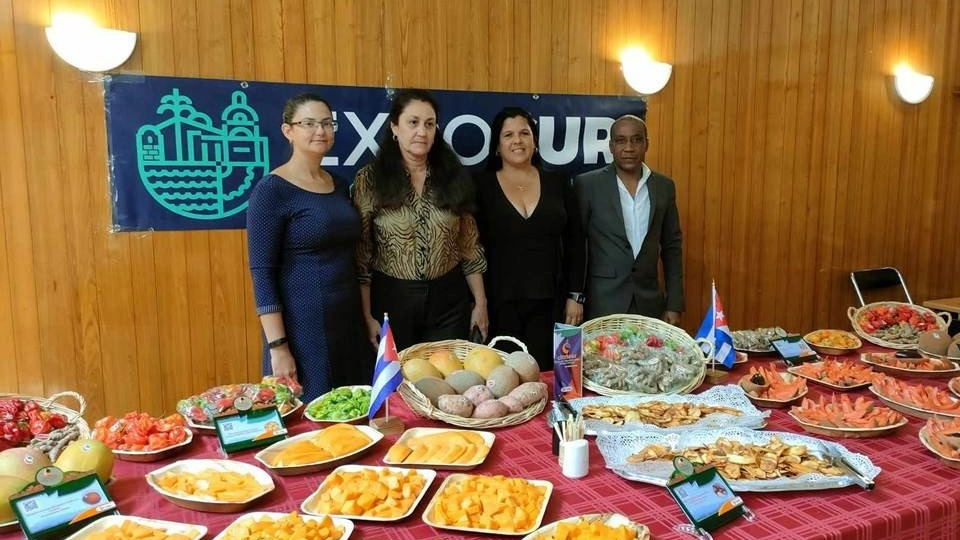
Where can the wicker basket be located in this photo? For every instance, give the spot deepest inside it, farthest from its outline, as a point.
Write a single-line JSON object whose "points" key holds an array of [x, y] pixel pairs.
{"points": [[421, 405], [617, 323], [943, 321], [52, 404]]}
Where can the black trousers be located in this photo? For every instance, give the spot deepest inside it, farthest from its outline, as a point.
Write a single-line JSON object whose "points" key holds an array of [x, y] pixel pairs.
{"points": [[530, 321], [422, 310]]}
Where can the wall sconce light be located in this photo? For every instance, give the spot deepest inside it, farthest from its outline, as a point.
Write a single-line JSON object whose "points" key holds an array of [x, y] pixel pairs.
{"points": [[642, 73], [86, 46], [912, 87]]}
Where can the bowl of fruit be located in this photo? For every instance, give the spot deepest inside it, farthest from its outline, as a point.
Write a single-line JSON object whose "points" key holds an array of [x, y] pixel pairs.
{"points": [[346, 404], [833, 342]]}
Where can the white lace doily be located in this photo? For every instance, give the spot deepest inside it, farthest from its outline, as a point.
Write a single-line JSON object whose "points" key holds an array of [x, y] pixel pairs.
{"points": [[617, 446], [730, 395]]}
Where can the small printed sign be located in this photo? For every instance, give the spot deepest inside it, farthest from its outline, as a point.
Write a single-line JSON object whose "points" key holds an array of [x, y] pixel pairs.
{"points": [[705, 497], [251, 428], [48, 509], [567, 361]]}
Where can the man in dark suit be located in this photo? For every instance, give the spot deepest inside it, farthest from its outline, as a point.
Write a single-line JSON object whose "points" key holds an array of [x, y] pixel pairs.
{"points": [[631, 222]]}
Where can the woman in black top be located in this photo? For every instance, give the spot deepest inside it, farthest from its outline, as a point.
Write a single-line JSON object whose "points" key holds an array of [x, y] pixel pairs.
{"points": [[532, 237]]}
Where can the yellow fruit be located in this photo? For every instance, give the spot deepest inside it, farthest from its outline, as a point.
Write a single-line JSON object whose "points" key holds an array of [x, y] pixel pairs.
{"points": [[8, 486], [415, 369], [87, 455], [482, 360], [445, 361]]}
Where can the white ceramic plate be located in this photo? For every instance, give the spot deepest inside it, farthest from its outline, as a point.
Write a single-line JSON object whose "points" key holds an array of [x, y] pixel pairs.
{"points": [[459, 477], [265, 456], [416, 432], [155, 455], [208, 428], [343, 524], [309, 502], [195, 532], [204, 503], [612, 520], [308, 416]]}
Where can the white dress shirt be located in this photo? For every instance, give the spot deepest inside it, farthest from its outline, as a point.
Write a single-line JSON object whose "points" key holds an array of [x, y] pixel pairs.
{"points": [[636, 210]]}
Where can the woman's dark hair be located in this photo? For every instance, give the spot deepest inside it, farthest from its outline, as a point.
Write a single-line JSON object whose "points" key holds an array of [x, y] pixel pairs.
{"points": [[292, 104], [494, 161], [450, 183]]}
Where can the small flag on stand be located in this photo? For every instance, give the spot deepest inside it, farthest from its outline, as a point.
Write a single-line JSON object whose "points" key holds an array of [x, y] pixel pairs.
{"points": [[715, 330], [386, 375]]}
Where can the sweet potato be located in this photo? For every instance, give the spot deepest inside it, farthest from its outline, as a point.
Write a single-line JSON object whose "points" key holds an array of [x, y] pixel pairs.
{"points": [[456, 405], [492, 408], [529, 393]]}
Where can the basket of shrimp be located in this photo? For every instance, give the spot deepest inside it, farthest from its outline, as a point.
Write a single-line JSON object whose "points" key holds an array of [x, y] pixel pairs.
{"points": [[636, 355], [45, 423]]}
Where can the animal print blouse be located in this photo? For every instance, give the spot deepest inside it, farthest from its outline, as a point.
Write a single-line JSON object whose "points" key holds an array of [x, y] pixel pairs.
{"points": [[417, 241]]}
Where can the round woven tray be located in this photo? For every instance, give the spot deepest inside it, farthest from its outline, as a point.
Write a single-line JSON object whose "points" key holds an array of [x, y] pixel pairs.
{"points": [[421, 405], [943, 321], [617, 323], [52, 404]]}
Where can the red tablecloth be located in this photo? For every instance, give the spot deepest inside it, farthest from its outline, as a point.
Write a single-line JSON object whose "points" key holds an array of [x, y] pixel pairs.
{"points": [[917, 496]]}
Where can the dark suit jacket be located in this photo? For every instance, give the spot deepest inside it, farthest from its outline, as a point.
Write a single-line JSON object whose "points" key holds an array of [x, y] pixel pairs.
{"points": [[614, 276]]}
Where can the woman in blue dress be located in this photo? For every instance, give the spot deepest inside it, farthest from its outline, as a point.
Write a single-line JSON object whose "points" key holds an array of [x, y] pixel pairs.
{"points": [[302, 234]]}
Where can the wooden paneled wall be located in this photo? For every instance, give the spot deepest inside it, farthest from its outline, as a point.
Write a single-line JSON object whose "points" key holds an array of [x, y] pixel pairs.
{"points": [[794, 159]]}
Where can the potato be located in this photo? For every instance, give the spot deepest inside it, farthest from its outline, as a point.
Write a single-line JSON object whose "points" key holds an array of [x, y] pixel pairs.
{"points": [[491, 408], [530, 393], [455, 405], [478, 394]]}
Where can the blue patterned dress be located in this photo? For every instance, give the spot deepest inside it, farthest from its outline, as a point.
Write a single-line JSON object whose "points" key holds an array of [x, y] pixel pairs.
{"points": [[302, 261]]}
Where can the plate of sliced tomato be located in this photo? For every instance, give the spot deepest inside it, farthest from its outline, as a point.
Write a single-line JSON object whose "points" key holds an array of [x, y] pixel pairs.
{"points": [[138, 436]]}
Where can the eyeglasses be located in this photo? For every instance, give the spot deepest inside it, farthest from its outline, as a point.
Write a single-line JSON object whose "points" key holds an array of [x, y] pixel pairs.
{"points": [[310, 123]]}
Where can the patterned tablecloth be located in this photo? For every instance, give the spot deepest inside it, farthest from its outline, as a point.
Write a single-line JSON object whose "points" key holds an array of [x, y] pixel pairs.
{"points": [[916, 497]]}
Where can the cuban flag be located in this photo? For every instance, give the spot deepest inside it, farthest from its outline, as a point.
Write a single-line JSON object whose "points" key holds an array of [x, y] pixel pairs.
{"points": [[715, 330], [386, 376]]}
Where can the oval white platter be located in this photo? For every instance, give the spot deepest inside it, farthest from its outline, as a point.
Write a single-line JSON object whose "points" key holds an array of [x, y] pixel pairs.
{"points": [[267, 453], [343, 524], [310, 501], [209, 504], [194, 532]]}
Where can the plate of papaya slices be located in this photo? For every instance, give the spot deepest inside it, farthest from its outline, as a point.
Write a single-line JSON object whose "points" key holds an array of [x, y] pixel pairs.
{"points": [[842, 417], [771, 388], [937, 368], [839, 375], [942, 437], [918, 400]]}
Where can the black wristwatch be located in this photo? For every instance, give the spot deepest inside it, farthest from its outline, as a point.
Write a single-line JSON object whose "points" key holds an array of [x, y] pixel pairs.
{"points": [[277, 342], [577, 297]]}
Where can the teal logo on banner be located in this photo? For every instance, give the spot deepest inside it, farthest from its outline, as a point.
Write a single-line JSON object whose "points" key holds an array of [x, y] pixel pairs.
{"points": [[185, 154], [198, 169]]}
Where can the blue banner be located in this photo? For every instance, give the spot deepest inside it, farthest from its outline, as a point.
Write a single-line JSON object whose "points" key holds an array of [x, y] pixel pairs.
{"points": [[185, 153]]}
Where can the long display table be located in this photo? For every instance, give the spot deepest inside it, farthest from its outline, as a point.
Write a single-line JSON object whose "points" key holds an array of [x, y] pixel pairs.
{"points": [[916, 496]]}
